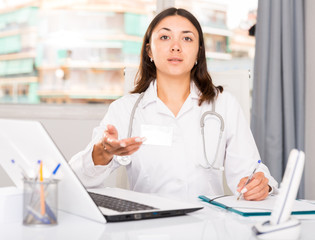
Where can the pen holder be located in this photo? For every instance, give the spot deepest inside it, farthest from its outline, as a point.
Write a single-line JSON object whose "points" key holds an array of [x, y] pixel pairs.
{"points": [[40, 202]]}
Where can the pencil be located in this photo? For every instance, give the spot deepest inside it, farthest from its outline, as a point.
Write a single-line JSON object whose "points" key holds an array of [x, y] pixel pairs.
{"points": [[42, 192]]}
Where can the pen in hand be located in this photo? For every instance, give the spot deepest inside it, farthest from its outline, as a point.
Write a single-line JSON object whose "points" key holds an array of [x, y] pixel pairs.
{"points": [[248, 180]]}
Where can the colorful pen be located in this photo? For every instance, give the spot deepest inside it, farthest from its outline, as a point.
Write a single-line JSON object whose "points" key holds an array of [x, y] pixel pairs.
{"points": [[38, 162], [42, 191], [55, 171]]}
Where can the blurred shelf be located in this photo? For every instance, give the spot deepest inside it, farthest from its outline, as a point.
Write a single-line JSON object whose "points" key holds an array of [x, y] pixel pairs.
{"points": [[116, 37], [215, 5], [88, 94], [18, 32], [21, 55], [18, 80], [77, 64], [218, 55], [217, 31], [100, 7], [66, 47], [90, 37], [34, 3], [134, 6]]}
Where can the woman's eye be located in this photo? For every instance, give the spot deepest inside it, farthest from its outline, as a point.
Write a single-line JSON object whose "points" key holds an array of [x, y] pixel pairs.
{"points": [[164, 37], [187, 39]]}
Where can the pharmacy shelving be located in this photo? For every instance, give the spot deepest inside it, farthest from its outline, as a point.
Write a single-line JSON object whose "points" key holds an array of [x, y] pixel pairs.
{"points": [[18, 38], [70, 51]]}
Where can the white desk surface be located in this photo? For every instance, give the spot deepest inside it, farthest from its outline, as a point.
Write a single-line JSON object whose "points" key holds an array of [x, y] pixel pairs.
{"points": [[208, 223]]}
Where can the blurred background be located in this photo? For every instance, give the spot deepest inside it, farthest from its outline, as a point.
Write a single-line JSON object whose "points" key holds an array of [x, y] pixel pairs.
{"points": [[62, 62], [76, 51]]}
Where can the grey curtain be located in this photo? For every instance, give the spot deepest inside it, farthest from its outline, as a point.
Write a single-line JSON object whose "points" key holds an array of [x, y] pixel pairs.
{"points": [[277, 118]]}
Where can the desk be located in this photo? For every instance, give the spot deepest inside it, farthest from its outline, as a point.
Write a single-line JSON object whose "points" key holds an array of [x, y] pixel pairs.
{"points": [[208, 223]]}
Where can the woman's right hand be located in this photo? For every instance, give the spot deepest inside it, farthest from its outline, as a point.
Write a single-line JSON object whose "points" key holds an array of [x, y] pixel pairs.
{"points": [[104, 151]]}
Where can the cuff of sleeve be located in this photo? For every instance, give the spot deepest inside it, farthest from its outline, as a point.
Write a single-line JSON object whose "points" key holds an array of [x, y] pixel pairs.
{"points": [[274, 190], [102, 168], [91, 169]]}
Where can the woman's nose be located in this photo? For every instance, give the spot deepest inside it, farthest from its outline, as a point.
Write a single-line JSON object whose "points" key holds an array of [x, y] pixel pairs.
{"points": [[175, 49]]}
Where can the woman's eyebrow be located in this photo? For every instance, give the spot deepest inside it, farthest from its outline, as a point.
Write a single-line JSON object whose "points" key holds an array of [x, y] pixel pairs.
{"points": [[185, 31], [164, 28]]}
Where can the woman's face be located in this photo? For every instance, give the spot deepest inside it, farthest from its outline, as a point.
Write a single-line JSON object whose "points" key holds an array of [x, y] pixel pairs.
{"points": [[174, 46]]}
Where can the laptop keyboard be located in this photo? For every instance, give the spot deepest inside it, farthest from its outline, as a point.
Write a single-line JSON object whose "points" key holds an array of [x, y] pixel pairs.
{"points": [[117, 204]]}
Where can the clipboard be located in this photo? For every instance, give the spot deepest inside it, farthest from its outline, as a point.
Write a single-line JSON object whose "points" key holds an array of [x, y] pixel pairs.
{"points": [[256, 208]]}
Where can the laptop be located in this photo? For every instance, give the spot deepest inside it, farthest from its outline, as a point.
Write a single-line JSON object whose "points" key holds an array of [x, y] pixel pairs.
{"points": [[27, 141]]}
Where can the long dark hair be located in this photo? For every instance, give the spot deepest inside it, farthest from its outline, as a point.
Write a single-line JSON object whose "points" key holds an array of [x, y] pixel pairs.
{"points": [[199, 73]]}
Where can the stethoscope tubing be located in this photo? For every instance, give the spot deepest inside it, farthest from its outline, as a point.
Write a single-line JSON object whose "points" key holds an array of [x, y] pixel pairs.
{"points": [[125, 160], [202, 126]]}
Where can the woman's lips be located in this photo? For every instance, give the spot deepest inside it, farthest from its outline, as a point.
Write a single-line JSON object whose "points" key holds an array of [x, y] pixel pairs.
{"points": [[175, 60]]}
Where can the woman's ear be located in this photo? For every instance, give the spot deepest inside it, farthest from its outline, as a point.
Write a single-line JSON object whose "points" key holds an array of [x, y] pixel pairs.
{"points": [[148, 50]]}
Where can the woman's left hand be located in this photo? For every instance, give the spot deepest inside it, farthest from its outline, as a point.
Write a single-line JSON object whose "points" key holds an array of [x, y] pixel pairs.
{"points": [[257, 189]]}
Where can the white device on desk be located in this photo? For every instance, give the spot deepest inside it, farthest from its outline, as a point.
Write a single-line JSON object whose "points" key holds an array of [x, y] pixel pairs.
{"points": [[281, 224]]}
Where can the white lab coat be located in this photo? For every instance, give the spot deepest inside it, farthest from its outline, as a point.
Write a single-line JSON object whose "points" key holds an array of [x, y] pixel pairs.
{"points": [[176, 171]]}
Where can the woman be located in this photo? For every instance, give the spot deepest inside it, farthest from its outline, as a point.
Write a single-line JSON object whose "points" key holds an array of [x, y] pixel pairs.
{"points": [[167, 151]]}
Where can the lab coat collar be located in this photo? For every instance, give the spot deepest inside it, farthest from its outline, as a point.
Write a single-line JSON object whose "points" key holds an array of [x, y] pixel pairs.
{"points": [[151, 93], [194, 91]]}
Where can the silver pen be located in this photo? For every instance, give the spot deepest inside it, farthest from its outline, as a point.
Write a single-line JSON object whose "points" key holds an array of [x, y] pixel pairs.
{"points": [[248, 180]]}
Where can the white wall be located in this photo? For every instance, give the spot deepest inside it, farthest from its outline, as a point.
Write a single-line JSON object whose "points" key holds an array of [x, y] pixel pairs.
{"points": [[238, 83], [69, 126]]}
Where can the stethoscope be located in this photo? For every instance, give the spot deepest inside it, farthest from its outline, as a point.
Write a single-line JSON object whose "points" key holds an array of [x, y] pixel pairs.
{"points": [[125, 160]]}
